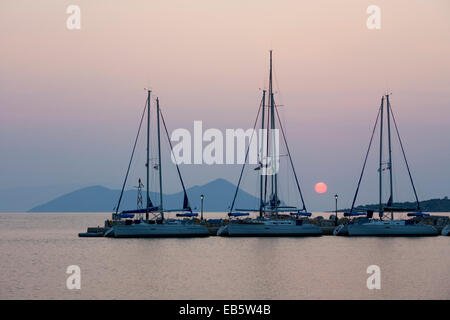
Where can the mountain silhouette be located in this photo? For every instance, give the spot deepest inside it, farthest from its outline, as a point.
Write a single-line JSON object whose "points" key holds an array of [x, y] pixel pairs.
{"points": [[218, 196], [23, 198]]}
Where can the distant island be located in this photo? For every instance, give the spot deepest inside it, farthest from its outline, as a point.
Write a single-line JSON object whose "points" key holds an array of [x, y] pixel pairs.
{"points": [[218, 196], [432, 205]]}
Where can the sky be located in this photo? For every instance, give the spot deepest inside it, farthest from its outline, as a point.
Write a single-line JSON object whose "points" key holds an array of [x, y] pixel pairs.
{"points": [[70, 100]]}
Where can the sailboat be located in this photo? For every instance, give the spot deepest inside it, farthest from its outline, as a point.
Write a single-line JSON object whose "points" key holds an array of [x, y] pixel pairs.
{"points": [[369, 226], [274, 219], [121, 226]]}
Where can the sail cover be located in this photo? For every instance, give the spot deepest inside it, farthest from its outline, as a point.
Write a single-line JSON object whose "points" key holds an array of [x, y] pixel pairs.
{"points": [[125, 216], [352, 214], [238, 214], [306, 214], [418, 214], [187, 214]]}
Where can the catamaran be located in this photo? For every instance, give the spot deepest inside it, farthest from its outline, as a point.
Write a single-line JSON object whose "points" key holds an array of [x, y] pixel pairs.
{"points": [[274, 219], [123, 225], [369, 226]]}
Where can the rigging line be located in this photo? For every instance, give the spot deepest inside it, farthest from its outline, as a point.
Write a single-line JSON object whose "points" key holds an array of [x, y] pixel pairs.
{"points": [[257, 188], [131, 158], [188, 207], [406, 161], [261, 154], [277, 86], [246, 156], [365, 160], [290, 158]]}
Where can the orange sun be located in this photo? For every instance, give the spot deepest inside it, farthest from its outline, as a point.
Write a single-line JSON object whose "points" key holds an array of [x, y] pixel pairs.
{"points": [[320, 187]]}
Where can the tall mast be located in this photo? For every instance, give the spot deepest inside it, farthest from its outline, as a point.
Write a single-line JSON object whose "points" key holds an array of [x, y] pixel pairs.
{"points": [[262, 156], [267, 150], [159, 162], [388, 107], [272, 127], [380, 169], [274, 174], [148, 156], [271, 117]]}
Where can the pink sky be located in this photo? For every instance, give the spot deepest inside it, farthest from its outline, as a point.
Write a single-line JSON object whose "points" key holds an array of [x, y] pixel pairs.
{"points": [[70, 100]]}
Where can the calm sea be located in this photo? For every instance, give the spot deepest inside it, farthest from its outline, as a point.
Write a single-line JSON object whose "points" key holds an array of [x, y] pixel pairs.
{"points": [[37, 248]]}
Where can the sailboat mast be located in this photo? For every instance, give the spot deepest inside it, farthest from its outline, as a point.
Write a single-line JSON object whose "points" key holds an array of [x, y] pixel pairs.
{"points": [[266, 177], [380, 169], [148, 156], [267, 132], [271, 118], [272, 127], [388, 107], [159, 161], [262, 158], [273, 160]]}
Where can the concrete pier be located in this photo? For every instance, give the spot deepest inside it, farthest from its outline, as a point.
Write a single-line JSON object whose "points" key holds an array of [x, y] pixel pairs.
{"points": [[327, 225]]}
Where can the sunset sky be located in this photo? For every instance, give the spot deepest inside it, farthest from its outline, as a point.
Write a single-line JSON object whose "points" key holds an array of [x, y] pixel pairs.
{"points": [[70, 100]]}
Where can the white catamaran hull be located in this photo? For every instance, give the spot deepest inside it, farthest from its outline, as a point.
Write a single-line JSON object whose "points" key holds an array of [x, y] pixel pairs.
{"points": [[145, 230], [262, 230], [391, 230]]}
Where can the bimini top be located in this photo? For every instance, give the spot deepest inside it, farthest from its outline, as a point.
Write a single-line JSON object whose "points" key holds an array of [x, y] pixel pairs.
{"points": [[187, 214], [299, 213], [238, 214], [418, 214]]}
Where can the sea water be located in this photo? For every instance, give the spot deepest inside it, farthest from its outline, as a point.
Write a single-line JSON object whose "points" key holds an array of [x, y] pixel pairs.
{"points": [[37, 248]]}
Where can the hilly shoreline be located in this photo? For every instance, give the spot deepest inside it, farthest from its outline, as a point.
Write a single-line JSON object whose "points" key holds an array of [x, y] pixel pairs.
{"points": [[102, 199]]}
